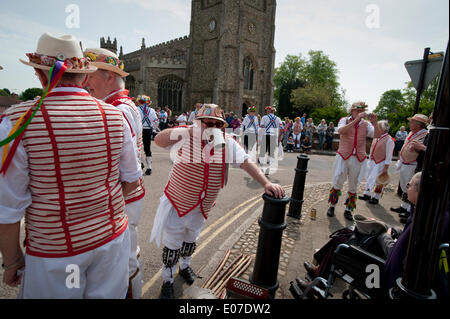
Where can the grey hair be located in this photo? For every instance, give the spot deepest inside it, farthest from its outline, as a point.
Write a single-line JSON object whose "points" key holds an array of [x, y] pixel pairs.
{"points": [[418, 177], [119, 80], [384, 125]]}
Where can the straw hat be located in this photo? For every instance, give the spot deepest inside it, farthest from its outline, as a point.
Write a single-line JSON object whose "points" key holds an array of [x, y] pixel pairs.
{"points": [[211, 111], [105, 60], [383, 178], [419, 118], [360, 105], [271, 108], [369, 226], [251, 109], [51, 49]]}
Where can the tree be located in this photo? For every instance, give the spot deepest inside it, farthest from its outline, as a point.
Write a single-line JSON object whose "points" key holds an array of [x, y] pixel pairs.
{"points": [[398, 115], [388, 103], [330, 114], [322, 87], [287, 77], [30, 94]]}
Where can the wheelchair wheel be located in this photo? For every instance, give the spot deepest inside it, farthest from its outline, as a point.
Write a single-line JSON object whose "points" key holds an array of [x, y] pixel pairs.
{"points": [[347, 295]]}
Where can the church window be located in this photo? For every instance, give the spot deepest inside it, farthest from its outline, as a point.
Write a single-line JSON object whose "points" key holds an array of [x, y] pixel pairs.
{"points": [[249, 73], [170, 92]]}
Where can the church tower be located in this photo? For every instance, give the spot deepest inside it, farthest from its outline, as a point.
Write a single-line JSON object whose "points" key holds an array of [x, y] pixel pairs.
{"points": [[232, 54]]}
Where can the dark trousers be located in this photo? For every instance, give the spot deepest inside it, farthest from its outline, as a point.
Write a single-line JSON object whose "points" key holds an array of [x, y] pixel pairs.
{"points": [[147, 141], [249, 142]]}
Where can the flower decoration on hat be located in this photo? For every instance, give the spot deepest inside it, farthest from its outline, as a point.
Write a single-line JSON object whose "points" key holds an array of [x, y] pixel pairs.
{"points": [[252, 109], [73, 63], [143, 99]]}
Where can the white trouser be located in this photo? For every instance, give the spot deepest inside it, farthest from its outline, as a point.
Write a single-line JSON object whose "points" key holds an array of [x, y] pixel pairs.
{"points": [[406, 173], [99, 273], [347, 169], [133, 211], [373, 170], [175, 230]]}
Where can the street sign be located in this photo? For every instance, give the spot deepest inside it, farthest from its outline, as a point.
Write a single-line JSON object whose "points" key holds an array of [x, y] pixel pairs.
{"points": [[434, 65]]}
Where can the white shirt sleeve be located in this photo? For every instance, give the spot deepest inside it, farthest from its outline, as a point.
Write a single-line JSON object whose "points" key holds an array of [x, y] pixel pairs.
{"points": [[235, 153], [15, 195], [370, 130], [342, 122], [389, 151], [263, 121], [129, 168]]}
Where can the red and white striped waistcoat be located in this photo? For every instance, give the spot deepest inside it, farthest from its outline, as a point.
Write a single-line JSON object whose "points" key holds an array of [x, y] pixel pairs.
{"points": [[73, 145], [193, 181], [408, 154], [378, 148], [116, 100], [356, 139]]}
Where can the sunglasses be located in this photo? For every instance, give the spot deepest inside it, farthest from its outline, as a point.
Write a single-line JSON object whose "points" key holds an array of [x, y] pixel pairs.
{"points": [[213, 124]]}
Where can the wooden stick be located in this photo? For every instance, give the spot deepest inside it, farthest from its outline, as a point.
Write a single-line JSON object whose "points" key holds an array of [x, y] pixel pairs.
{"points": [[219, 267], [227, 270], [238, 273], [243, 264]]}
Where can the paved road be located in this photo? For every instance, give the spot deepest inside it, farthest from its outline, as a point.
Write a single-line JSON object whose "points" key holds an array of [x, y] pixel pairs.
{"points": [[234, 211]]}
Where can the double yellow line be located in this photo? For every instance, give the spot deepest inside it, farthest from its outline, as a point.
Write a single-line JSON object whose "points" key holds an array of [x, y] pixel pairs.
{"points": [[251, 203]]}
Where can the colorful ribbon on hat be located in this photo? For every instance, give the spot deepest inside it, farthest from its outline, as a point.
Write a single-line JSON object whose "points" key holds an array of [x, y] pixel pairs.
{"points": [[16, 133]]}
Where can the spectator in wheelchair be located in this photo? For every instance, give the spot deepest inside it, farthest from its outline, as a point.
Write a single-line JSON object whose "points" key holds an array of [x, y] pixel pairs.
{"points": [[395, 250], [390, 244]]}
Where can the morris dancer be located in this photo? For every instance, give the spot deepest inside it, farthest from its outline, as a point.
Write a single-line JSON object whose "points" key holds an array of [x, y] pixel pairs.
{"points": [[351, 156], [379, 160], [199, 172], [150, 122], [194, 113], [272, 127], [67, 174], [408, 158], [107, 84], [249, 127]]}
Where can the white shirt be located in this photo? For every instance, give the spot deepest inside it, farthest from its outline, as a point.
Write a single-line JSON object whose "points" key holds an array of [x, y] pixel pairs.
{"points": [[250, 127], [15, 195], [192, 116], [270, 129], [370, 129], [182, 119]]}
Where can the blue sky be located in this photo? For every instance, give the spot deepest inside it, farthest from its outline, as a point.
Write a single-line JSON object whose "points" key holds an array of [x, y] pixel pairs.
{"points": [[369, 40]]}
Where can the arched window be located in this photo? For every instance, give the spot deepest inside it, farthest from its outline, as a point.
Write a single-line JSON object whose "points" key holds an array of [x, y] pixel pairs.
{"points": [[249, 73], [170, 92], [130, 85]]}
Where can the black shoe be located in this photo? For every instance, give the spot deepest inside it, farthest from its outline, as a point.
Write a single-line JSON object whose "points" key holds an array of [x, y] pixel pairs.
{"points": [[399, 210], [330, 212], [404, 215], [348, 215], [167, 290], [148, 171], [188, 275], [142, 166], [373, 201], [364, 197]]}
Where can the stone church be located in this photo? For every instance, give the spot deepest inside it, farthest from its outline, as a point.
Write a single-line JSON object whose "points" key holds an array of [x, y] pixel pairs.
{"points": [[227, 59]]}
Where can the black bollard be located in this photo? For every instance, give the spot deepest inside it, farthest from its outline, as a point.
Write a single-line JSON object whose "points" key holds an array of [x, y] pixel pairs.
{"points": [[296, 203], [269, 244]]}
